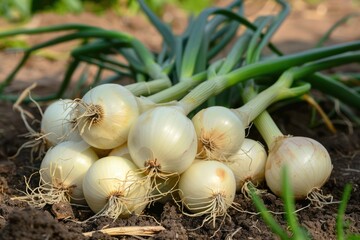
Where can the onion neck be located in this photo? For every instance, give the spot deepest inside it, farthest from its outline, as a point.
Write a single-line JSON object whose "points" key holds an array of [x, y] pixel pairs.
{"points": [[267, 128], [256, 105], [147, 88], [263, 122], [247, 112], [202, 93], [177, 91]]}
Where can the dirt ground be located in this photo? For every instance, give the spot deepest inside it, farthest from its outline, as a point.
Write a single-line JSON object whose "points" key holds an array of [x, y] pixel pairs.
{"points": [[300, 31]]}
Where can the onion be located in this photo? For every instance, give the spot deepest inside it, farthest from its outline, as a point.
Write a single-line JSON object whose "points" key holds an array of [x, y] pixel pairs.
{"points": [[207, 188], [220, 132], [308, 162], [248, 164], [163, 140], [114, 188], [162, 143], [57, 125], [61, 173], [105, 115], [58, 122]]}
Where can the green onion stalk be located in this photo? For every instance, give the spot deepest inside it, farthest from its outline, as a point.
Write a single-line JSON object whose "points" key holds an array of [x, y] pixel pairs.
{"points": [[94, 53], [262, 68], [123, 40]]}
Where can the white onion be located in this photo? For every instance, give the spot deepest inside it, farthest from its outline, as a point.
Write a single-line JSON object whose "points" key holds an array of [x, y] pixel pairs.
{"points": [[220, 132], [207, 188], [308, 163], [57, 123], [114, 188], [248, 163], [61, 173], [163, 139], [105, 115]]}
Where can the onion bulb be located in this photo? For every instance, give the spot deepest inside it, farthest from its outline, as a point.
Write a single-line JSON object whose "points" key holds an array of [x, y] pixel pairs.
{"points": [[163, 141], [57, 125], [61, 173], [207, 188], [220, 132], [105, 115], [58, 122], [308, 163], [114, 188], [248, 164]]}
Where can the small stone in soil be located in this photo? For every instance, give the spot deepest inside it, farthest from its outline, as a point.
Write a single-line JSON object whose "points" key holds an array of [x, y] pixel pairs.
{"points": [[62, 210]]}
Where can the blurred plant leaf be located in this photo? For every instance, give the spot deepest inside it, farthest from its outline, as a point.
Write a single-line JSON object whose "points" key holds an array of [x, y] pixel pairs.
{"points": [[15, 10], [13, 43], [64, 6]]}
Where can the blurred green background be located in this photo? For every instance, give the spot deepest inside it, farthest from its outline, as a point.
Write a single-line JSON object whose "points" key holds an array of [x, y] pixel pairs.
{"points": [[22, 10]]}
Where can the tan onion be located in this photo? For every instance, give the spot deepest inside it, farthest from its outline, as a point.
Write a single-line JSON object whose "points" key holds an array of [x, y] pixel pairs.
{"points": [[308, 163], [248, 164]]}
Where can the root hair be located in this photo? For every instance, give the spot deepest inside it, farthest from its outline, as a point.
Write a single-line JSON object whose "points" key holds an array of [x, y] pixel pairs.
{"points": [[156, 180], [37, 142], [87, 115], [45, 193], [317, 198]]}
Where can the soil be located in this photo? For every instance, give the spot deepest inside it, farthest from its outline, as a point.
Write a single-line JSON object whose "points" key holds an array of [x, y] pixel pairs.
{"points": [[304, 26]]}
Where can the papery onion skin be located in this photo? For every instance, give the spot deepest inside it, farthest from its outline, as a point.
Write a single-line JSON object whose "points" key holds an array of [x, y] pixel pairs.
{"points": [[57, 123], [308, 163], [202, 181], [248, 163], [164, 137], [117, 110], [114, 175], [66, 164], [220, 132]]}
